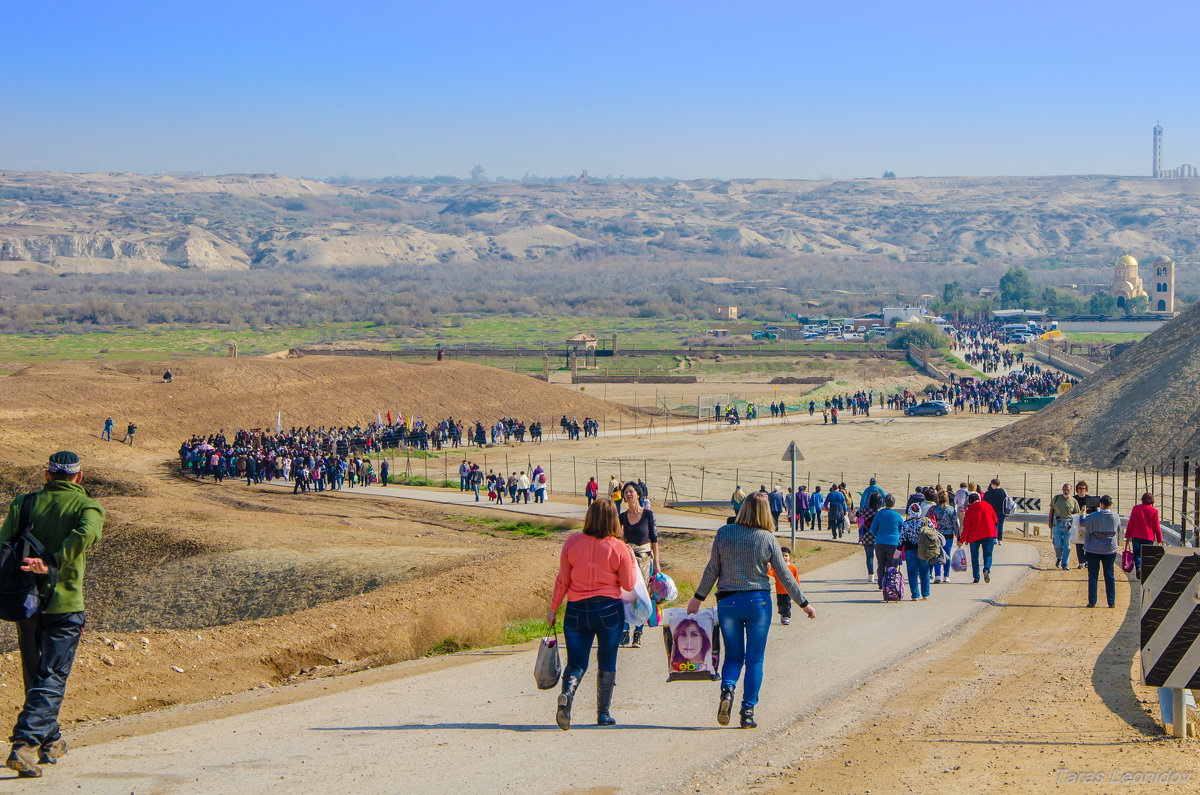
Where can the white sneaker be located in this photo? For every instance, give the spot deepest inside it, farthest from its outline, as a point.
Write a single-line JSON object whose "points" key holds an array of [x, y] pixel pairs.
{"points": [[937, 580]]}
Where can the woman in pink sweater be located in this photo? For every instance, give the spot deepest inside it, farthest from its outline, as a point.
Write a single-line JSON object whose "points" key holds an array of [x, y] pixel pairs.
{"points": [[1143, 528], [593, 569]]}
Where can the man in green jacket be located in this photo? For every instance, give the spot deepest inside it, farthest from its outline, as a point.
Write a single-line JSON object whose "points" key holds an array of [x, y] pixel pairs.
{"points": [[66, 521]]}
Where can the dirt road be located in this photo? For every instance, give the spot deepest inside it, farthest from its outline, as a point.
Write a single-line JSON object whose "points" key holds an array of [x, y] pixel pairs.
{"points": [[483, 727]]}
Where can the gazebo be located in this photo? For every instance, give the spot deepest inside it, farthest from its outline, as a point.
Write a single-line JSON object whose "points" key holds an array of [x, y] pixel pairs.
{"points": [[582, 344]]}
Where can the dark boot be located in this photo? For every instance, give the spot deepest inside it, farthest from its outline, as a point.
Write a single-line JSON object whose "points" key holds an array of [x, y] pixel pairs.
{"points": [[570, 682], [726, 706], [605, 681], [637, 638], [748, 718]]}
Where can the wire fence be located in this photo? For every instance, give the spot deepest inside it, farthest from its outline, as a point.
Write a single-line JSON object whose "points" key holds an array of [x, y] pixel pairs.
{"points": [[1174, 483]]}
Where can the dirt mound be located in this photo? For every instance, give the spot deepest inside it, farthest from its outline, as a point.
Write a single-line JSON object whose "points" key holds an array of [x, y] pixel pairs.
{"points": [[64, 404], [1138, 410]]}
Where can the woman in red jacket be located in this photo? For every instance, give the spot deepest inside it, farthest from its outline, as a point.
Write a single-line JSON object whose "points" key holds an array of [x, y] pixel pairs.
{"points": [[1143, 528], [979, 530]]}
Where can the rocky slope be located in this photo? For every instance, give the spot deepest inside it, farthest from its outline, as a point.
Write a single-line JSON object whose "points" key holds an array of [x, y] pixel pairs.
{"points": [[125, 222], [1139, 410]]}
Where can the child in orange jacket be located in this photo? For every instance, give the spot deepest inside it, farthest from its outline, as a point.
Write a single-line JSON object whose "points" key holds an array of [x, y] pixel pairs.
{"points": [[782, 600]]}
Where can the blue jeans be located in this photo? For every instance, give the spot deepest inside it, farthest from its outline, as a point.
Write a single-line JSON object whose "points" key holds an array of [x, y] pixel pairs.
{"points": [[938, 569], [987, 544], [1060, 535], [1138, 543], [745, 619], [1000, 526], [870, 550], [599, 618], [47, 643], [475, 488], [918, 574], [1094, 562]]}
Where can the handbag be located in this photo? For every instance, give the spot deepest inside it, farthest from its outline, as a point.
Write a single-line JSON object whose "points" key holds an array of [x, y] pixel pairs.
{"points": [[1127, 558], [547, 667]]}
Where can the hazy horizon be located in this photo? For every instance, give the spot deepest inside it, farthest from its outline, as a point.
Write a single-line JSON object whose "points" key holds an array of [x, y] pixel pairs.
{"points": [[680, 91]]}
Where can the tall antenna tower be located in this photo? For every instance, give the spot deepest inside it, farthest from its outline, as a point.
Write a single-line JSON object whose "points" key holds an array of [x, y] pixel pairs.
{"points": [[1158, 147]]}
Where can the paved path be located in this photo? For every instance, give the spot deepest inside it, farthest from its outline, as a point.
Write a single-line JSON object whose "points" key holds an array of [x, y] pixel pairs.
{"points": [[483, 727], [552, 510]]}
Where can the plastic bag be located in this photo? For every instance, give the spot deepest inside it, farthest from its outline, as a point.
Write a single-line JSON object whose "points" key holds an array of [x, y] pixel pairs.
{"points": [[547, 668], [958, 559], [1076, 536], [638, 607], [693, 644], [662, 587]]}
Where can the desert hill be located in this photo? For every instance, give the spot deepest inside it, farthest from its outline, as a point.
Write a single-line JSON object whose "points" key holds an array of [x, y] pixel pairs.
{"points": [[1139, 410], [70, 223], [64, 404]]}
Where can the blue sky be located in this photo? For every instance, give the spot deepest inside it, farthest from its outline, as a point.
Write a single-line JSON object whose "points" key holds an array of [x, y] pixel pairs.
{"points": [[789, 90]]}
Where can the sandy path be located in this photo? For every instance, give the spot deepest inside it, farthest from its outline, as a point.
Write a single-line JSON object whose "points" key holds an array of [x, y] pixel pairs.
{"points": [[1038, 689], [483, 727]]}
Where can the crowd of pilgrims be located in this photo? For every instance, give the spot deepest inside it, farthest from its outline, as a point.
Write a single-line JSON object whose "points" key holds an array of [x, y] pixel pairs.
{"points": [[980, 346], [337, 456]]}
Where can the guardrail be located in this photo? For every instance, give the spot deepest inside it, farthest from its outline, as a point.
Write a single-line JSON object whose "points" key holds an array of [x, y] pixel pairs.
{"points": [[1064, 361]]}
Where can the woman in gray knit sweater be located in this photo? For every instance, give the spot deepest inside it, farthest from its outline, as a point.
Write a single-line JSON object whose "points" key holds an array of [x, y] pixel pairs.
{"points": [[737, 565]]}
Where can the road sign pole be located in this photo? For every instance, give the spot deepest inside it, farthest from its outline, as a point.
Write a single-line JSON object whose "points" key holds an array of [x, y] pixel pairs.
{"points": [[793, 454], [793, 496]]}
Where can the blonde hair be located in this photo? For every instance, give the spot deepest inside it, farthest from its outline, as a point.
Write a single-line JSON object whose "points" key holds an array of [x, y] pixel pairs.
{"points": [[756, 512]]}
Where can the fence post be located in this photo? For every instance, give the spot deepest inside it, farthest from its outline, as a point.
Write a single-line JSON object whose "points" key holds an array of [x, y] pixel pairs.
{"points": [[575, 475], [1196, 507], [550, 473], [701, 484], [1183, 517]]}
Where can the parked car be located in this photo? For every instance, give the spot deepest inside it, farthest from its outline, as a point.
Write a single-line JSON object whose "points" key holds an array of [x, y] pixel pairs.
{"points": [[1029, 404], [937, 408]]}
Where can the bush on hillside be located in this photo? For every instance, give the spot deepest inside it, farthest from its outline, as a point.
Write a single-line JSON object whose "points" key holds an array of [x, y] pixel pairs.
{"points": [[919, 335]]}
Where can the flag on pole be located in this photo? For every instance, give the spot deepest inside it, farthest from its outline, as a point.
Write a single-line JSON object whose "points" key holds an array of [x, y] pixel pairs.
{"points": [[378, 418], [278, 422], [389, 416]]}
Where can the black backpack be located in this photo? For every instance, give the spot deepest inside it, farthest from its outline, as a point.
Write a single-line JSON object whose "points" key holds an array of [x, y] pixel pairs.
{"points": [[20, 597]]}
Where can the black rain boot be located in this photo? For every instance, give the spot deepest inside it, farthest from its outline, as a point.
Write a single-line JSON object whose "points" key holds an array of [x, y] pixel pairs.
{"points": [[726, 706], [605, 681], [570, 682], [748, 718]]}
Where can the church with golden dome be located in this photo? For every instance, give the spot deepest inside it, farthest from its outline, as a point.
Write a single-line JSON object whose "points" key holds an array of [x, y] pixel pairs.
{"points": [[1127, 284]]}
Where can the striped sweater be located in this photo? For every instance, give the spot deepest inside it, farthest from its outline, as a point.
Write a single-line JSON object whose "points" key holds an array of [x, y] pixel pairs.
{"points": [[739, 561]]}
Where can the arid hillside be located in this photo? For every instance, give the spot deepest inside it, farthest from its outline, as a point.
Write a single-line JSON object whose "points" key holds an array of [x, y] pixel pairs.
{"points": [[64, 404], [1139, 410], [71, 223]]}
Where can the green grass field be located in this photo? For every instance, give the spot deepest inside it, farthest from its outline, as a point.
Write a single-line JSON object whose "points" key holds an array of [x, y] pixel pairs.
{"points": [[162, 342], [166, 342], [1104, 337]]}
